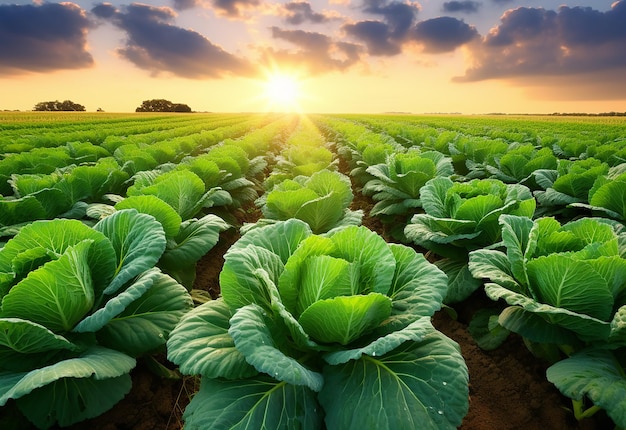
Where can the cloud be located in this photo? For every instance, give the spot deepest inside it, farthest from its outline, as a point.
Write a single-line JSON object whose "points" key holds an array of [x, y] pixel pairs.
{"points": [[186, 4], [384, 37], [399, 17], [153, 43], [537, 42], [297, 12], [443, 34], [399, 27], [376, 36], [461, 6], [234, 9], [316, 52], [43, 38]]}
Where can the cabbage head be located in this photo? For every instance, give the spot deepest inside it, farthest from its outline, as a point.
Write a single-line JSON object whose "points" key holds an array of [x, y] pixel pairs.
{"points": [[310, 328], [79, 305], [462, 216], [566, 290], [321, 200]]}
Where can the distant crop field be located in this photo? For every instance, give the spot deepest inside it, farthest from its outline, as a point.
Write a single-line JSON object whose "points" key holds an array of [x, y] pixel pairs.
{"points": [[291, 266]]}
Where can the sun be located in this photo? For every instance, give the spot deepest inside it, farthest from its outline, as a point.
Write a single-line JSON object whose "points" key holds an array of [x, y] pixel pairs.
{"points": [[282, 92]]}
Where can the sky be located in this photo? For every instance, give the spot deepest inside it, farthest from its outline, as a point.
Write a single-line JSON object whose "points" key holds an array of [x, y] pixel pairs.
{"points": [[337, 56]]}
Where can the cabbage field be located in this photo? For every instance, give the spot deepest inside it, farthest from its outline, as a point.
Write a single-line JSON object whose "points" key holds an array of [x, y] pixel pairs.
{"points": [[316, 272]]}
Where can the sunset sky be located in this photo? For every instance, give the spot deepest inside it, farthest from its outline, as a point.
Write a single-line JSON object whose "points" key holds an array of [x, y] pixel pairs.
{"points": [[339, 56]]}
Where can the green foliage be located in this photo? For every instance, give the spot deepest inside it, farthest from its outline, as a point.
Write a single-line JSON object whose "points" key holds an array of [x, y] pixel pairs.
{"points": [[397, 183], [66, 105], [566, 287], [321, 200], [78, 305], [301, 315], [464, 215], [162, 105], [520, 162]]}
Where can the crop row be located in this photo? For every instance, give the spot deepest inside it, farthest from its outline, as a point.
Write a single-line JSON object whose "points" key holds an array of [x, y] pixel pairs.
{"points": [[318, 316], [544, 235]]}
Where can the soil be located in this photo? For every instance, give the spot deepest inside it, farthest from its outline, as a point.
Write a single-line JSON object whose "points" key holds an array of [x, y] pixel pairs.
{"points": [[508, 388]]}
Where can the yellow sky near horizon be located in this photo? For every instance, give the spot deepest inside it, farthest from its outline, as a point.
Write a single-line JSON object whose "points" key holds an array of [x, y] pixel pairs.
{"points": [[338, 69]]}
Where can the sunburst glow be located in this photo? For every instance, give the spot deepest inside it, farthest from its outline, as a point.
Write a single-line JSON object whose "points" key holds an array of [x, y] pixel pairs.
{"points": [[282, 92]]}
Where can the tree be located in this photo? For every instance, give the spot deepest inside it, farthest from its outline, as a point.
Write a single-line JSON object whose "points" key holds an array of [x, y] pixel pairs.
{"points": [[66, 105], [162, 105]]}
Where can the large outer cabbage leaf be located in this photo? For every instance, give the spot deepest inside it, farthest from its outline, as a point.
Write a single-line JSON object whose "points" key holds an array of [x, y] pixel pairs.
{"points": [[145, 324], [71, 390], [251, 331], [29, 337], [57, 295], [259, 402], [138, 240], [15, 211], [53, 238], [159, 209], [585, 326], [417, 289], [416, 385], [200, 344], [563, 282], [597, 374]]}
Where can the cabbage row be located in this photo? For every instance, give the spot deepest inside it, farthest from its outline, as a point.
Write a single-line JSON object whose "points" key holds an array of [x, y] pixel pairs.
{"points": [[318, 315], [537, 219]]}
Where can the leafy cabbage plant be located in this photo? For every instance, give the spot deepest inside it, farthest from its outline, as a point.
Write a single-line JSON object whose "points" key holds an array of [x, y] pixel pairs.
{"points": [[568, 184], [79, 304], [608, 194], [63, 193], [566, 290], [187, 241], [321, 200], [462, 216], [519, 163], [311, 329], [397, 183]]}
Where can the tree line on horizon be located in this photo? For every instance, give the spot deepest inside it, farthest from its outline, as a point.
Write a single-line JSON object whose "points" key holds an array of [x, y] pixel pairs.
{"points": [[153, 105]]}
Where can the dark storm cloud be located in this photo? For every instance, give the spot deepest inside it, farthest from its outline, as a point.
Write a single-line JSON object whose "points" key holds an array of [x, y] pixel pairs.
{"points": [[43, 38], [398, 26], [376, 36], [384, 37], [461, 6], [298, 12], [539, 42], [154, 44], [317, 52], [398, 16], [234, 8], [443, 34], [231, 8], [186, 4]]}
